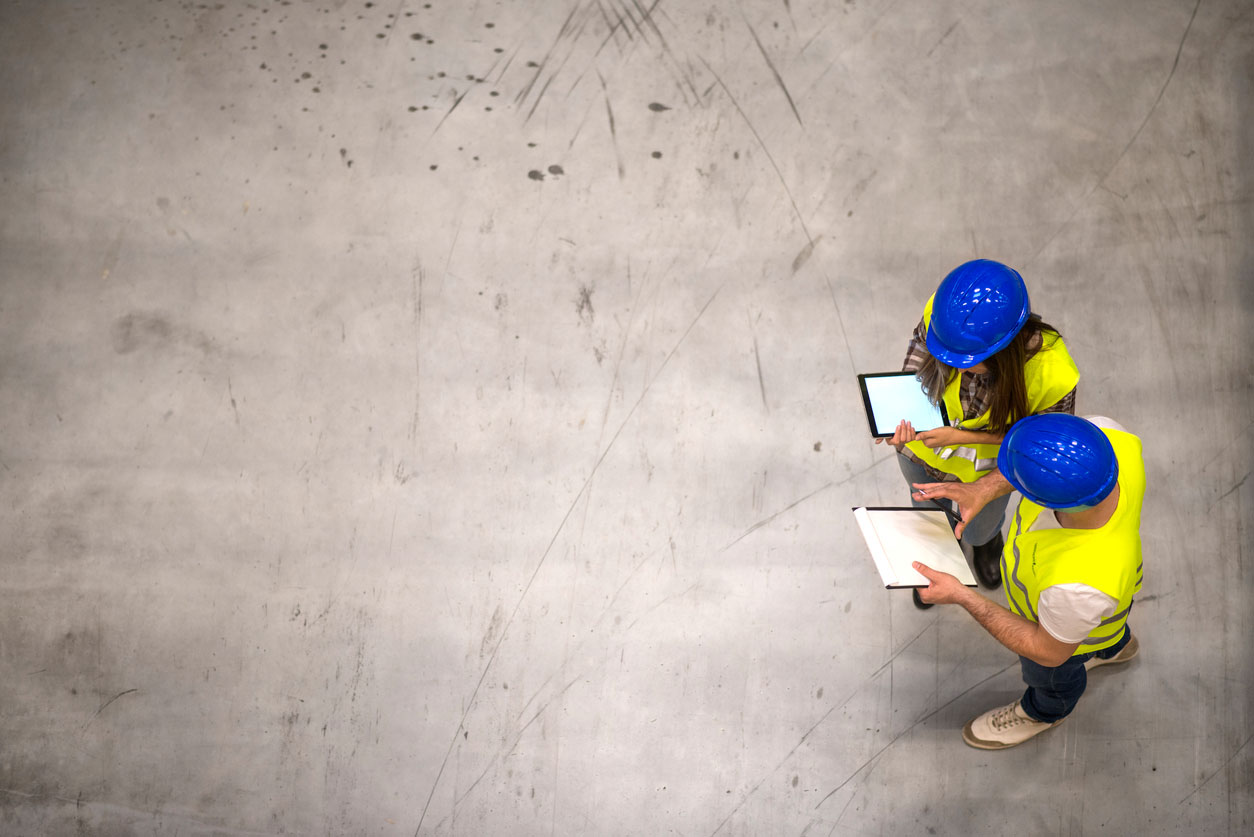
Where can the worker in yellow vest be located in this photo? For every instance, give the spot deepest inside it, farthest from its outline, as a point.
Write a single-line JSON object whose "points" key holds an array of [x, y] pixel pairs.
{"points": [[1071, 566], [980, 351]]}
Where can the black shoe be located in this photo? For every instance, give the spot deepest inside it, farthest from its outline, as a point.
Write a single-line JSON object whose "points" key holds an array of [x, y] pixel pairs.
{"points": [[987, 560], [918, 602]]}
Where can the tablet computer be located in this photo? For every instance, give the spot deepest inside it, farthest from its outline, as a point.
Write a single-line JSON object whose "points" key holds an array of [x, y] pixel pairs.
{"points": [[890, 397]]}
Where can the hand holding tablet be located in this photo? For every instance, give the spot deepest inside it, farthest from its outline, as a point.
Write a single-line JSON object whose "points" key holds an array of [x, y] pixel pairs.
{"points": [[893, 397]]}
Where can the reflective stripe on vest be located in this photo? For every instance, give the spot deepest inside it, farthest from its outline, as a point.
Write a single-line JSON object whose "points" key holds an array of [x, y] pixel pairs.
{"points": [[1108, 558], [1048, 375], [1022, 603], [972, 455]]}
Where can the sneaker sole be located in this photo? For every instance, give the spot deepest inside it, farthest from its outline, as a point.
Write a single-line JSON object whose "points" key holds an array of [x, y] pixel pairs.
{"points": [[970, 740], [1127, 655]]}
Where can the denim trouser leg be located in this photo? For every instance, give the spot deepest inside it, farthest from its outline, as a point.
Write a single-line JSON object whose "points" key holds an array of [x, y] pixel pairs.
{"points": [[1054, 691], [979, 531]]}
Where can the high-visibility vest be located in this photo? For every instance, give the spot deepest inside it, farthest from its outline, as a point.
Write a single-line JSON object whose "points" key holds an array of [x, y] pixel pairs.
{"points": [[1049, 375], [1108, 558]]}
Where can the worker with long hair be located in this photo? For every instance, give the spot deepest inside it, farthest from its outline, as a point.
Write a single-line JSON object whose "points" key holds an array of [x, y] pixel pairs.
{"points": [[979, 349]]}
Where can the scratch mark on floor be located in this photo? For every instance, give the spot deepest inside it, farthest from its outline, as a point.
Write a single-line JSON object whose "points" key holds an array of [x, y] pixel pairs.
{"points": [[1220, 770], [791, 19], [609, 112], [901, 650], [817, 32], [670, 598], [544, 556], [600, 619], [526, 90], [844, 334], [778, 78], [517, 738], [1223, 451], [205, 448], [505, 753], [910, 729], [765, 150], [612, 27], [449, 112], [755, 527], [1171, 74], [805, 737], [635, 23], [828, 714], [504, 68], [681, 75], [761, 383], [1229, 491], [105, 705], [448, 261], [620, 24], [682, 71], [1162, 317], [231, 394], [335, 593], [563, 33], [948, 32], [804, 255], [646, 16], [622, 346], [539, 97], [400, 7]]}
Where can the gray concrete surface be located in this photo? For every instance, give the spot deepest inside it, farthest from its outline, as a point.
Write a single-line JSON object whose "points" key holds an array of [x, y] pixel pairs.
{"points": [[439, 418]]}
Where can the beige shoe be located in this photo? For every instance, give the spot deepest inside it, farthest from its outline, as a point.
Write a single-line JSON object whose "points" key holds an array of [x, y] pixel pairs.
{"points": [[1005, 727], [1126, 653]]}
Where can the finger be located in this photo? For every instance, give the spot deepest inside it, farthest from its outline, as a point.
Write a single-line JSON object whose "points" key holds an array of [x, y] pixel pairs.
{"points": [[929, 491], [925, 571]]}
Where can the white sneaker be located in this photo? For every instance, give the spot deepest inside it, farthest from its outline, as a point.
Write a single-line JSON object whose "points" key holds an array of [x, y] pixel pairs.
{"points": [[1126, 653], [1005, 727]]}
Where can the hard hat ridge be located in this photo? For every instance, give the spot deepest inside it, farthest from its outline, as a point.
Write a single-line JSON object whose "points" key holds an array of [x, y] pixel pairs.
{"points": [[1058, 461], [978, 309]]}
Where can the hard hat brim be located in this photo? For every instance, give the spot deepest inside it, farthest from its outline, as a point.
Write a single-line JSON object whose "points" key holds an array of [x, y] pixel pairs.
{"points": [[965, 360]]}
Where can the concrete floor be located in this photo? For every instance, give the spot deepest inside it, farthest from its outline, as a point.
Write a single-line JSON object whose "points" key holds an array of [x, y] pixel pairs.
{"points": [[440, 418]]}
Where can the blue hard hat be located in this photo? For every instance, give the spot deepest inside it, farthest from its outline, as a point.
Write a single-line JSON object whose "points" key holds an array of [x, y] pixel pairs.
{"points": [[978, 308], [1058, 461]]}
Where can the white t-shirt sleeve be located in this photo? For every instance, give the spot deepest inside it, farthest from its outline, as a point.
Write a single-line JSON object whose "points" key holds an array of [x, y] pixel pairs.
{"points": [[1070, 612], [1108, 423]]}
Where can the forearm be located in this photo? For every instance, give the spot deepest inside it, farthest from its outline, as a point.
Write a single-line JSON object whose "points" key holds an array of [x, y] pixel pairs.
{"points": [[1011, 630], [993, 485], [962, 436]]}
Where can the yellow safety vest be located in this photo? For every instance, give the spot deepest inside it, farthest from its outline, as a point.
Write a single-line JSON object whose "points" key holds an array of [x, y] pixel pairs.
{"points": [[1108, 558], [1049, 374]]}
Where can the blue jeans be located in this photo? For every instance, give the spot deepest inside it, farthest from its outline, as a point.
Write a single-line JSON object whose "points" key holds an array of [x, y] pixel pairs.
{"points": [[986, 525], [1054, 691]]}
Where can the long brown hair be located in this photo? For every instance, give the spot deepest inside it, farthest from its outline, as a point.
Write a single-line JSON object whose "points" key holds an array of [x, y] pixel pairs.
{"points": [[1005, 372]]}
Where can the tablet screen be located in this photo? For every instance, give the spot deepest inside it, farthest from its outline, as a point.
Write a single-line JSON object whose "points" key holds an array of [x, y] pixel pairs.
{"points": [[890, 397]]}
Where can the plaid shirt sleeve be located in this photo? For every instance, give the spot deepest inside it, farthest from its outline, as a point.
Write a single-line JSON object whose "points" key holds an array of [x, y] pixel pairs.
{"points": [[916, 351], [1066, 404]]}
